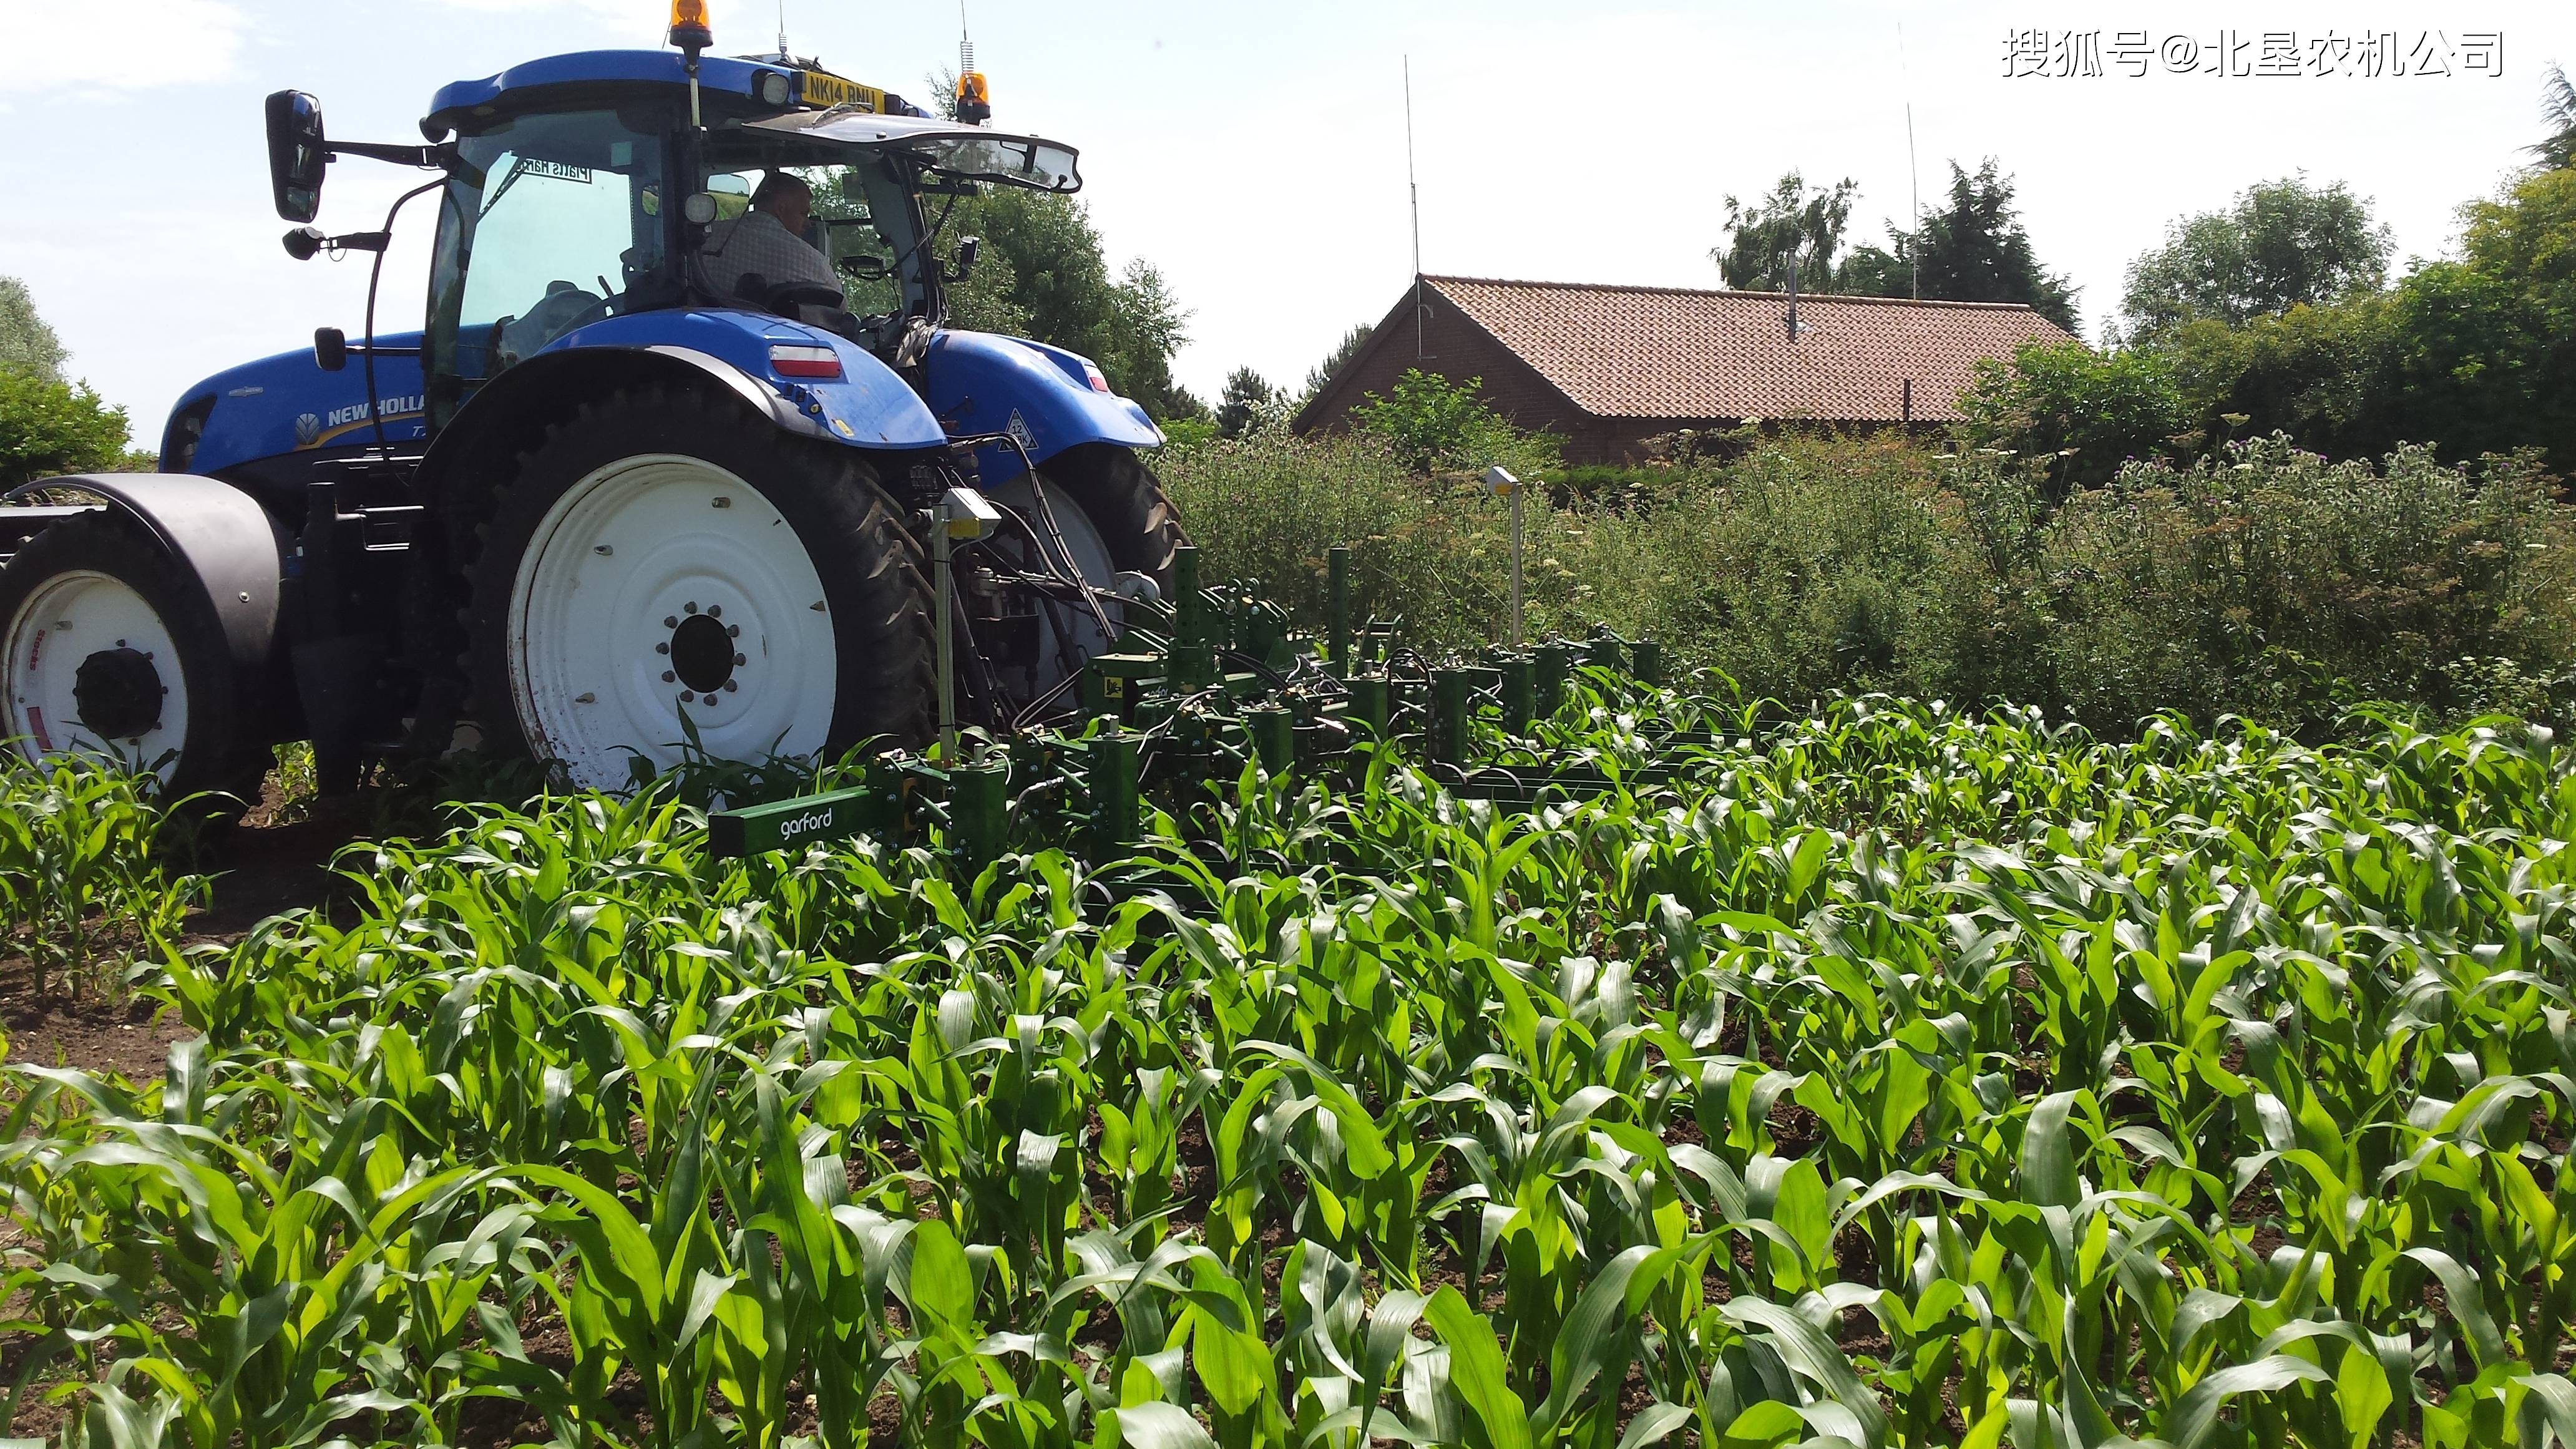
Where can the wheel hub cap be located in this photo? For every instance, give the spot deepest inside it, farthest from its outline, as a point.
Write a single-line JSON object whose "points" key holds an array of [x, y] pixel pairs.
{"points": [[119, 693], [702, 653]]}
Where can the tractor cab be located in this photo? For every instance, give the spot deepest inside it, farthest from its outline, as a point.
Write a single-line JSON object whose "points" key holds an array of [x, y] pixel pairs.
{"points": [[578, 190]]}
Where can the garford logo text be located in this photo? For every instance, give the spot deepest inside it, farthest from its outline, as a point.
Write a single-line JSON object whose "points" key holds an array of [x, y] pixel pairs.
{"points": [[805, 824]]}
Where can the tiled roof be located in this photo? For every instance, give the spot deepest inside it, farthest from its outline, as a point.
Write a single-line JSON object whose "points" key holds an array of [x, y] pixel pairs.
{"points": [[1658, 352]]}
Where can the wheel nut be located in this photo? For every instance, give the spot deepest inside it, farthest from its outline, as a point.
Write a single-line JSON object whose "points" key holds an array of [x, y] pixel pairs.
{"points": [[738, 659], [688, 697], [732, 631], [690, 607], [731, 686], [715, 611], [670, 621], [662, 648], [668, 676]]}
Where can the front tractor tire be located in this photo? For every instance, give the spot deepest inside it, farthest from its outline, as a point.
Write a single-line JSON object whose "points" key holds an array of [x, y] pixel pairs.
{"points": [[1126, 506], [115, 653], [660, 555]]}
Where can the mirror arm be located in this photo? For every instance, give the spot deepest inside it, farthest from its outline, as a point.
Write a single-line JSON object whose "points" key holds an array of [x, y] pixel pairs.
{"points": [[428, 158]]}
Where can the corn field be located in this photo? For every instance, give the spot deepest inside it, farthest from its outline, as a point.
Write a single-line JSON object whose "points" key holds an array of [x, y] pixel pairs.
{"points": [[1881, 1078]]}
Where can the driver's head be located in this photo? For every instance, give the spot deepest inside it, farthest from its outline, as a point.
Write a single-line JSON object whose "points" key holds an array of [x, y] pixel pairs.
{"points": [[786, 197]]}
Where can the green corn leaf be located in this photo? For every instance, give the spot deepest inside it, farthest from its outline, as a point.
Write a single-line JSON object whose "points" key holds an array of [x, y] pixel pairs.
{"points": [[1815, 1357], [1160, 1426], [1596, 1336], [2048, 1154], [938, 1284], [2193, 1422], [1476, 1370], [1653, 1423], [2362, 1396], [1234, 1366], [2466, 1298]]}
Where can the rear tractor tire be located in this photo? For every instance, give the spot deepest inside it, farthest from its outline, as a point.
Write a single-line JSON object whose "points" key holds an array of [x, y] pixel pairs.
{"points": [[114, 652], [661, 555]]}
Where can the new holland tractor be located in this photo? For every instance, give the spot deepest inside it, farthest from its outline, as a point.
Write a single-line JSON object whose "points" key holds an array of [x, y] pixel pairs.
{"points": [[621, 496]]}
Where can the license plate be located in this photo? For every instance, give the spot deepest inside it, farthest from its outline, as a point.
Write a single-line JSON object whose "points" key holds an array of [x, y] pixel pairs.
{"points": [[824, 90]]}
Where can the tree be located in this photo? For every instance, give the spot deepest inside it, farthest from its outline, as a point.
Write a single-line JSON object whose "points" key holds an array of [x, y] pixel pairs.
{"points": [[1248, 401], [1975, 250], [1873, 271], [1761, 236], [2486, 347], [25, 340], [1339, 358], [2283, 243], [2557, 150], [2319, 374], [1041, 274]]}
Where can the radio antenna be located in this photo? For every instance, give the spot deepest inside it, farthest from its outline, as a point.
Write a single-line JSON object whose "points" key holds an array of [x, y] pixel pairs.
{"points": [[965, 43], [1413, 191], [1913, 168]]}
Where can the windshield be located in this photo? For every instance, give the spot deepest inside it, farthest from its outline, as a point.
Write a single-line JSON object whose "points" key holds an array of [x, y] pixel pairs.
{"points": [[547, 224], [866, 223]]}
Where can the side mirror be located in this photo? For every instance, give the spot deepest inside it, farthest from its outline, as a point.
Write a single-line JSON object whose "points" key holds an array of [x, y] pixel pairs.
{"points": [[967, 248], [330, 348], [296, 157]]}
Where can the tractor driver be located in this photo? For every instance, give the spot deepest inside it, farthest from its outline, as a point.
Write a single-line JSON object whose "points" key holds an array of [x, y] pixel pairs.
{"points": [[769, 239]]}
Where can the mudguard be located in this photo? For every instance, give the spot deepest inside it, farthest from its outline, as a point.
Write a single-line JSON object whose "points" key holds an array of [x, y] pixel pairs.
{"points": [[982, 383], [867, 406], [219, 533]]}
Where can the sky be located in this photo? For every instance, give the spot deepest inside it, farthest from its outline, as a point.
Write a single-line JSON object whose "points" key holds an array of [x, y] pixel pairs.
{"points": [[1256, 154]]}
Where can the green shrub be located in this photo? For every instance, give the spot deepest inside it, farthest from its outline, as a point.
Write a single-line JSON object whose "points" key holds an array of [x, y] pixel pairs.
{"points": [[2076, 413], [2272, 581], [1432, 423], [48, 427], [2266, 581]]}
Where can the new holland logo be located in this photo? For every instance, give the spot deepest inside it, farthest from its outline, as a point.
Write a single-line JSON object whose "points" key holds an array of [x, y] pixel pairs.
{"points": [[308, 430]]}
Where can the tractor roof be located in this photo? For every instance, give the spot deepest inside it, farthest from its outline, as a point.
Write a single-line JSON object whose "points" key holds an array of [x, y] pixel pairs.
{"points": [[460, 102]]}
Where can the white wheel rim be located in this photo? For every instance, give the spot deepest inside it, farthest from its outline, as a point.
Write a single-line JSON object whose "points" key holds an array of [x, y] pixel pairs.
{"points": [[1090, 554], [659, 538], [68, 618]]}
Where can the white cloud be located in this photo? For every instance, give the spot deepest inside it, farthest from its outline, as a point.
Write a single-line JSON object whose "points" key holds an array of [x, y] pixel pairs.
{"points": [[125, 45]]}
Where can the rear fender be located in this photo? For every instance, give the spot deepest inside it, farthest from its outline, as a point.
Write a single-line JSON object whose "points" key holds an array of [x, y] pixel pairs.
{"points": [[218, 533], [982, 383], [869, 408]]}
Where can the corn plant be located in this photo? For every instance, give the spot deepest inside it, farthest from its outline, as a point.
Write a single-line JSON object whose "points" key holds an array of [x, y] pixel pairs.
{"points": [[1878, 1077]]}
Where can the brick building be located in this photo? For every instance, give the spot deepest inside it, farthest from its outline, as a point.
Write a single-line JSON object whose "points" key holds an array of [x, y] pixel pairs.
{"points": [[1609, 367]]}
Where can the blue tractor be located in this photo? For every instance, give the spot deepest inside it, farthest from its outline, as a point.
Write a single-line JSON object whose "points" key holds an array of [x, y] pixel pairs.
{"points": [[659, 472]]}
